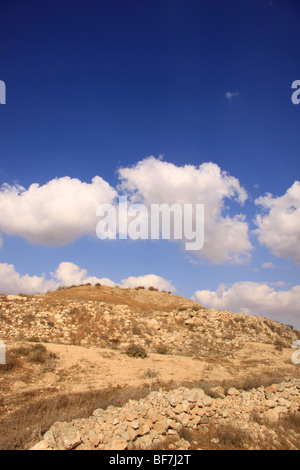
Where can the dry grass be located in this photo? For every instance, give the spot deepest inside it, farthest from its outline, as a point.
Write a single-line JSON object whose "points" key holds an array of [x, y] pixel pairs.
{"points": [[31, 353], [211, 437], [11, 363], [230, 437], [140, 300], [246, 384], [23, 428]]}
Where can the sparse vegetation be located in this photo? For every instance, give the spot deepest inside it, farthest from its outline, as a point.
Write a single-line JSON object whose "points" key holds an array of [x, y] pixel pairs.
{"points": [[28, 319], [136, 330], [134, 350], [20, 429], [11, 363], [36, 354], [231, 437], [279, 344], [162, 349], [150, 374]]}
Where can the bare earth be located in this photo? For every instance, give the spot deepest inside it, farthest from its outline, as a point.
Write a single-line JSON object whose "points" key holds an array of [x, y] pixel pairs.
{"points": [[80, 368]]}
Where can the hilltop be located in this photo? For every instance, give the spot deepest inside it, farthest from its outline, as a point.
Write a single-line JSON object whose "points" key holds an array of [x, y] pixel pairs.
{"points": [[113, 344]]}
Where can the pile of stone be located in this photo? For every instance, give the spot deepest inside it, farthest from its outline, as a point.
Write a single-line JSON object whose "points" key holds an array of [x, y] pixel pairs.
{"points": [[147, 423]]}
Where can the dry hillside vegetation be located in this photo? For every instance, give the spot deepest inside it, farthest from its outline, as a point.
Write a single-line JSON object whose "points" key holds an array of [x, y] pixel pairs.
{"points": [[84, 348]]}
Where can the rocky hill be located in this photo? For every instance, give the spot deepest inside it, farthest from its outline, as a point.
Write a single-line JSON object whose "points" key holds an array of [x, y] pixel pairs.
{"points": [[114, 318], [77, 345]]}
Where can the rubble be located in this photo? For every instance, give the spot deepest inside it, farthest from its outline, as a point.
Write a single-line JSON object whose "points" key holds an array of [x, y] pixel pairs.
{"points": [[146, 423]]}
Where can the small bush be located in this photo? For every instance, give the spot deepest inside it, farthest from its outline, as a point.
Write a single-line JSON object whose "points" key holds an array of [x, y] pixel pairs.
{"points": [[136, 330], [21, 350], [150, 374], [231, 437], [28, 319], [38, 354], [11, 363], [33, 339], [136, 351], [52, 355], [279, 344], [35, 353], [162, 349], [153, 289]]}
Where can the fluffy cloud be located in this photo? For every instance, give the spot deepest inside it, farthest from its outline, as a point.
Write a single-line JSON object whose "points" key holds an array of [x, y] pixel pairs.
{"points": [[64, 209], [152, 181], [11, 282], [56, 213], [255, 298], [68, 274], [279, 227], [149, 280]]}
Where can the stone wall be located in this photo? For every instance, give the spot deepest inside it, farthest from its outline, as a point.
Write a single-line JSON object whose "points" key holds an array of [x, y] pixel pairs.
{"points": [[147, 423]]}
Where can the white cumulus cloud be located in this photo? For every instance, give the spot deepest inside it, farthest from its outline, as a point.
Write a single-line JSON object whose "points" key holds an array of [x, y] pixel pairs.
{"points": [[255, 298], [68, 274], [279, 224], [64, 209], [55, 213], [149, 280], [11, 282], [152, 181]]}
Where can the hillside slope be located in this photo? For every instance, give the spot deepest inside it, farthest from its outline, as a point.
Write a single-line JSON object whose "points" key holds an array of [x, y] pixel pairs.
{"points": [[67, 349], [114, 318]]}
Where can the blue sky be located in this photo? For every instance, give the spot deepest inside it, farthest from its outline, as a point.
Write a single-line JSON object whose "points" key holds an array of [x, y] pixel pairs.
{"points": [[93, 86]]}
